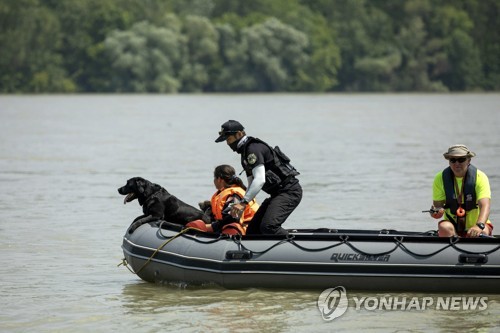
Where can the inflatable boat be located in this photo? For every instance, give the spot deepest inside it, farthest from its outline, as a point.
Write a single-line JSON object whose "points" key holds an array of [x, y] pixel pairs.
{"points": [[375, 260]]}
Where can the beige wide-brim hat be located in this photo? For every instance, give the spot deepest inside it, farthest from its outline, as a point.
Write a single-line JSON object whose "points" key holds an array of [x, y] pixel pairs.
{"points": [[458, 151]]}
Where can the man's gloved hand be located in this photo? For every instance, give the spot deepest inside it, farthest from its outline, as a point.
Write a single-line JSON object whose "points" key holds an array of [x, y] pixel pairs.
{"points": [[436, 213]]}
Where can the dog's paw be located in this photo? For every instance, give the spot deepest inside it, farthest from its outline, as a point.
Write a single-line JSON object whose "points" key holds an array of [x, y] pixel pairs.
{"points": [[134, 226], [204, 205]]}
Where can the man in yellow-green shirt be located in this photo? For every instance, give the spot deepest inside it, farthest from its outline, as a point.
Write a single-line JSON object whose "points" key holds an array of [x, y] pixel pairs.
{"points": [[461, 196]]}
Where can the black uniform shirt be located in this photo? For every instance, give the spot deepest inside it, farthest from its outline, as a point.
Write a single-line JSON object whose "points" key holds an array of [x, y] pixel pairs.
{"points": [[256, 154]]}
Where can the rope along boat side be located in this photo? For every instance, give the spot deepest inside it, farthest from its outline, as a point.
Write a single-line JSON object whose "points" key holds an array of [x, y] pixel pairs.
{"points": [[385, 260]]}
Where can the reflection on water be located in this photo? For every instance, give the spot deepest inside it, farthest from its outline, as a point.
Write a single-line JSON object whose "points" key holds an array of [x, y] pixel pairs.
{"points": [[223, 310], [215, 309], [366, 161]]}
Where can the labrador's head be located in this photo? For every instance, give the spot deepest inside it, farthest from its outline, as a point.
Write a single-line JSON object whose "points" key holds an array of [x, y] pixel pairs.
{"points": [[136, 187]]}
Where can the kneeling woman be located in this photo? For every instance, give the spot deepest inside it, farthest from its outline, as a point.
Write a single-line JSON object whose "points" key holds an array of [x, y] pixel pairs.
{"points": [[230, 190]]}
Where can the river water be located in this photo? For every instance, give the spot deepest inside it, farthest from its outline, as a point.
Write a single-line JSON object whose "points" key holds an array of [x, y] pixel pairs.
{"points": [[366, 161]]}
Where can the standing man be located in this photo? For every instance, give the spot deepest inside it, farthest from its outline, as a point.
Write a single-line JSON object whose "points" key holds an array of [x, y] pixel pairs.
{"points": [[269, 170], [462, 194]]}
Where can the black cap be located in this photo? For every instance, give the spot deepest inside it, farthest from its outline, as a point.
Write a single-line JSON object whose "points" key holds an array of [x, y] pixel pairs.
{"points": [[228, 128]]}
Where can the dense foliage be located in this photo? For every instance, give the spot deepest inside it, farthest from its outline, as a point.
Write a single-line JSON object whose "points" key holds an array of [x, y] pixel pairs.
{"points": [[172, 46]]}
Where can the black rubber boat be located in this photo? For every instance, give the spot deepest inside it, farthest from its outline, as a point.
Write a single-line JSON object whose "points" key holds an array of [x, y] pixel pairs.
{"points": [[376, 260]]}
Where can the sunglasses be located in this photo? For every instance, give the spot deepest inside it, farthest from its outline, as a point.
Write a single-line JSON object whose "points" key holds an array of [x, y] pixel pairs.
{"points": [[459, 160]]}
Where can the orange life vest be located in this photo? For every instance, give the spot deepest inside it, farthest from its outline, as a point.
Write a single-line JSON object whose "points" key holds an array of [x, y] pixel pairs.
{"points": [[219, 199]]}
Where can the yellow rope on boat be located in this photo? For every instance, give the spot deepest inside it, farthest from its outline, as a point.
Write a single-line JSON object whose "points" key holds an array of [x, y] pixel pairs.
{"points": [[125, 263]]}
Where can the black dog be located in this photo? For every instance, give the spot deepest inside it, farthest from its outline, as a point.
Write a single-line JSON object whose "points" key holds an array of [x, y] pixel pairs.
{"points": [[158, 204]]}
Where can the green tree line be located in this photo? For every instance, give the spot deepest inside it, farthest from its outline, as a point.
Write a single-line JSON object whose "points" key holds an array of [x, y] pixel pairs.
{"points": [[169, 46]]}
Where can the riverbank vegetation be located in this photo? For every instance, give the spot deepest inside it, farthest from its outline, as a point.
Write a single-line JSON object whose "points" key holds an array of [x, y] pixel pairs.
{"points": [[170, 46]]}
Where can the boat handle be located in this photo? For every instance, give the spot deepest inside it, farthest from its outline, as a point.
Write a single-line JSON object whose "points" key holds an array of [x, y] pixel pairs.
{"points": [[465, 258], [238, 254]]}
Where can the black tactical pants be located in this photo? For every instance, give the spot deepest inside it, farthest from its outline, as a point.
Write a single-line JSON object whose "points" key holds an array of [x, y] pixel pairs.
{"points": [[275, 210]]}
